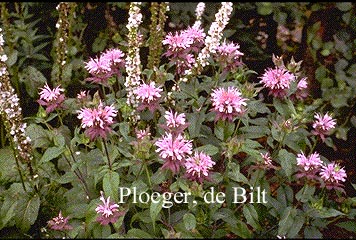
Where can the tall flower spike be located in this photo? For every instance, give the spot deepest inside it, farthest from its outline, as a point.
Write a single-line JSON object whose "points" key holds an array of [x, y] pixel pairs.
{"points": [[215, 34], [11, 114], [133, 60], [198, 13]]}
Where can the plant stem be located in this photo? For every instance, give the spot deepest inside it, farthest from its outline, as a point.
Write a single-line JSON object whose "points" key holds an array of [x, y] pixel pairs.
{"points": [[20, 173], [148, 176], [107, 154]]}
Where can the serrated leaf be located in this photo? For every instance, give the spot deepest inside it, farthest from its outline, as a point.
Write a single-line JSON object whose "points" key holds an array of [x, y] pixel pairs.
{"points": [[288, 161], [251, 216], [27, 213]]}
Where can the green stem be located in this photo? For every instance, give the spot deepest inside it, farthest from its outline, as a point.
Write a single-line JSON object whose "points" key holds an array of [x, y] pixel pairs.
{"points": [[107, 154], [20, 173], [237, 127], [148, 175]]}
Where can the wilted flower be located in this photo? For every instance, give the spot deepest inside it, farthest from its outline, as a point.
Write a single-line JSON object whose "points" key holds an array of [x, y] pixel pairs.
{"points": [[51, 98], [97, 121], [278, 81], [59, 223], [332, 175], [228, 103], [198, 166], [322, 125], [173, 150], [109, 211], [149, 96]]}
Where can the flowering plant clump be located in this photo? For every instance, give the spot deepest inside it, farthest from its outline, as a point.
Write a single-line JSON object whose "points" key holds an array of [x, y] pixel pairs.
{"points": [[165, 126]]}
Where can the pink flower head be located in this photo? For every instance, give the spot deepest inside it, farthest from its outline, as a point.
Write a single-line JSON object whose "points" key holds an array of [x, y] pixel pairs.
{"points": [[228, 103], [198, 37], [116, 59], [177, 43], [332, 175], [267, 160], [302, 89], [52, 99], [149, 95], [97, 121], [228, 55], [198, 166], [141, 134], [278, 81], [175, 123], [59, 223], [109, 211], [312, 162], [99, 68], [322, 125], [173, 150]]}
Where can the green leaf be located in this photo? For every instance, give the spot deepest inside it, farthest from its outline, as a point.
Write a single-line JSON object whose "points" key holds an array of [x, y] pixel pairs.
{"points": [[8, 170], [349, 225], [138, 233], [264, 8], [208, 149], [195, 122], [155, 208], [287, 220], [305, 194], [241, 230], [251, 216], [344, 6], [327, 213], [235, 174], [111, 182], [288, 161], [9, 213], [38, 135], [12, 58], [189, 221], [33, 80], [311, 232], [124, 128], [51, 153], [27, 212]]}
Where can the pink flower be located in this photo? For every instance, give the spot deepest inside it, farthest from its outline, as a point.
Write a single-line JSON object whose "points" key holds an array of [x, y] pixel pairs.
{"points": [[173, 150], [267, 160], [116, 59], [141, 134], [109, 211], [198, 166], [302, 89], [97, 121], [197, 35], [228, 55], [277, 81], [332, 175], [52, 99], [177, 43], [99, 68], [175, 123], [322, 125], [309, 163], [149, 95], [228, 103], [59, 223]]}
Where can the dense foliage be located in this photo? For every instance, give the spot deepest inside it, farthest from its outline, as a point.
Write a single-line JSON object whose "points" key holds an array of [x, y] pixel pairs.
{"points": [[177, 120]]}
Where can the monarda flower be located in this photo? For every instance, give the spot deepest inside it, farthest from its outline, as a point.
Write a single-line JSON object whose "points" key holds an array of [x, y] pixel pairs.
{"points": [[228, 103], [149, 96], [278, 81], [109, 211], [322, 125], [52, 99], [228, 55], [59, 223], [198, 166], [99, 68], [175, 123], [97, 121], [173, 150], [308, 165], [332, 175]]}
